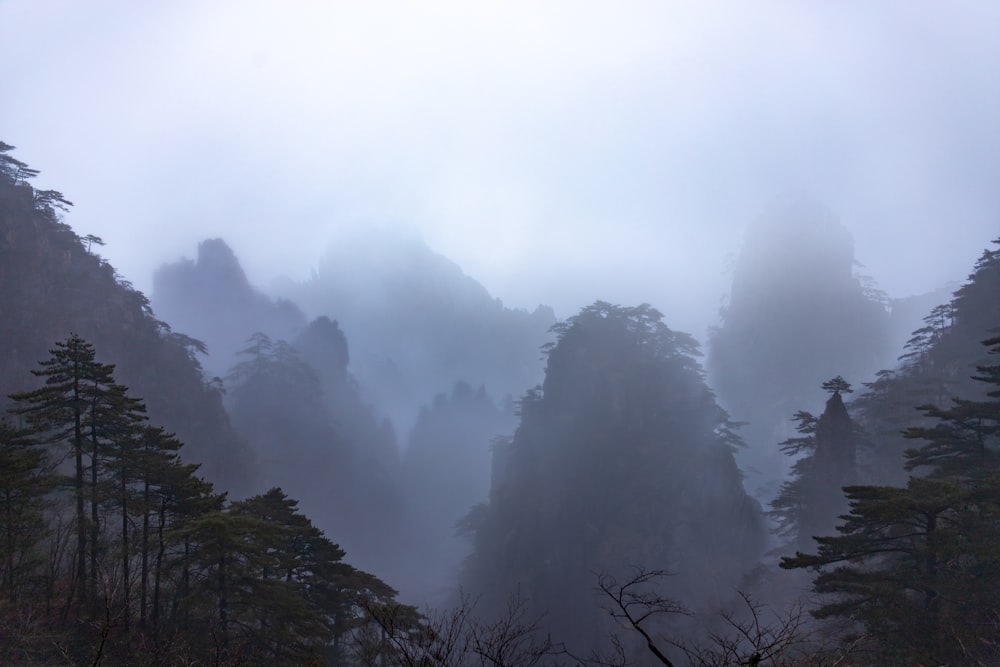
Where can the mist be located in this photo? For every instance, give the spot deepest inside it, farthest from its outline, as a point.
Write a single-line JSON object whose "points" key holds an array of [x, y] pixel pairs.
{"points": [[511, 296], [556, 152]]}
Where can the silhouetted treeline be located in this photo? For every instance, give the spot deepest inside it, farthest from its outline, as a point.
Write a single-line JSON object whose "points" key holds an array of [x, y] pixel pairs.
{"points": [[917, 567], [937, 363], [608, 515], [115, 551]]}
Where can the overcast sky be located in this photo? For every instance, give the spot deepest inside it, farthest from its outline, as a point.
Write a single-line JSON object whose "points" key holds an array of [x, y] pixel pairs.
{"points": [[560, 152]]}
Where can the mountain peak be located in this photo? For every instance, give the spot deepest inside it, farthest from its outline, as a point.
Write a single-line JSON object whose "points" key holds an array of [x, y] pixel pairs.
{"points": [[216, 260]]}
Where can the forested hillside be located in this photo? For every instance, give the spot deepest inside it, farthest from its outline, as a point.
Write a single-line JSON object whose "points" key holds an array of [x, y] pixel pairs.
{"points": [[266, 511], [622, 459], [938, 362], [54, 282], [330, 407], [324, 433], [315, 438], [913, 567], [115, 550]]}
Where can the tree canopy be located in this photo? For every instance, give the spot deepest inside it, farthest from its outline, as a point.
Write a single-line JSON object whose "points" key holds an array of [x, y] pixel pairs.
{"points": [[622, 457], [917, 566]]}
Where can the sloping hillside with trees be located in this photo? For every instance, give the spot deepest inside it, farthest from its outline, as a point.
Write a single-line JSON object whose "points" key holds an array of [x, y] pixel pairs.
{"points": [[622, 459], [53, 283]]}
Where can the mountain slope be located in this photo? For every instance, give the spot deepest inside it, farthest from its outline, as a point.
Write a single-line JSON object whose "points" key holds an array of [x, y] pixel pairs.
{"points": [[797, 315], [418, 324], [623, 460], [53, 283], [212, 298]]}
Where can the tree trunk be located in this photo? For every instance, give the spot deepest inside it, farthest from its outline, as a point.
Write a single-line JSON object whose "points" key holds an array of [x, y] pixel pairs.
{"points": [[94, 509], [144, 568], [126, 593], [81, 515], [161, 547]]}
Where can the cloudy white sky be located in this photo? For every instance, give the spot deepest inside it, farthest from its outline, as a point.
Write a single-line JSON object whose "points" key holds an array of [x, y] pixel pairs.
{"points": [[560, 152]]}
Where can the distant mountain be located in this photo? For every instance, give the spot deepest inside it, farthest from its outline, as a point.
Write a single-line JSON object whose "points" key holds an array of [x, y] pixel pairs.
{"points": [[54, 283], [212, 299], [292, 398], [318, 401], [418, 324], [445, 471], [798, 314], [300, 410]]}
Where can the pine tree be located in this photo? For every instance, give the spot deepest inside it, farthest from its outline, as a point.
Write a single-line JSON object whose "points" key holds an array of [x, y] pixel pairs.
{"points": [[116, 424], [919, 567], [809, 503], [962, 442], [897, 563], [285, 625], [25, 484], [270, 586], [182, 500], [57, 414], [158, 463]]}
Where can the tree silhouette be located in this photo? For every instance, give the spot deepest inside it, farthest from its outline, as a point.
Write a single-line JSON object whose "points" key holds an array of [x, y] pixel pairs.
{"points": [[621, 457], [918, 566], [809, 502]]}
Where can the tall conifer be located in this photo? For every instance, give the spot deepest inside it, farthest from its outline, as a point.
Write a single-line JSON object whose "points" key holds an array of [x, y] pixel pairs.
{"points": [[57, 413]]}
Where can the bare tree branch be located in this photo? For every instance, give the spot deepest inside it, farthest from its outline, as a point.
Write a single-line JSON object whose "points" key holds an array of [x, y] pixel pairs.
{"points": [[633, 602]]}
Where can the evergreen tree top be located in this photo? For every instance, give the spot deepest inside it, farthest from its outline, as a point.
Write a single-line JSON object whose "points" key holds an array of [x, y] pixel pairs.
{"points": [[643, 323], [961, 444], [837, 385]]}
